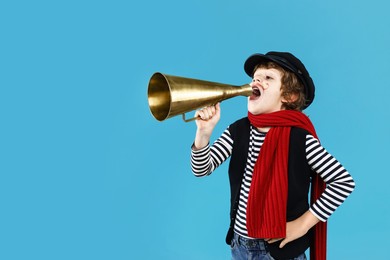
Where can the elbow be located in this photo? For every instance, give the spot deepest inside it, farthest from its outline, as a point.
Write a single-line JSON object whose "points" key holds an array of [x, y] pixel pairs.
{"points": [[200, 174], [353, 186], [198, 171]]}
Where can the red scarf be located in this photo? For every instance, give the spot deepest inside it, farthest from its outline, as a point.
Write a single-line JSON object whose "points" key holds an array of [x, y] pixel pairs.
{"points": [[267, 201]]}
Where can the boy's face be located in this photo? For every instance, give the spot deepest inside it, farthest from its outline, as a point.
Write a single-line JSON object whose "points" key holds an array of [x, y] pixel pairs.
{"points": [[267, 94]]}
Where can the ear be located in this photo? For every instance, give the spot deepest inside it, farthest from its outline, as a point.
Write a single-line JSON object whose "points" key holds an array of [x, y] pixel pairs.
{"points": [[291, 98]]}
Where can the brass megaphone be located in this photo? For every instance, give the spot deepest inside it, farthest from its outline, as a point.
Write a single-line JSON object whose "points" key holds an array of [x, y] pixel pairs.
{"points": [[169, 96]]}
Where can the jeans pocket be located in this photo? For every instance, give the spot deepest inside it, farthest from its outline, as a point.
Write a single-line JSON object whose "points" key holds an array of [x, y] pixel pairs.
{"points": [[233, 244]]}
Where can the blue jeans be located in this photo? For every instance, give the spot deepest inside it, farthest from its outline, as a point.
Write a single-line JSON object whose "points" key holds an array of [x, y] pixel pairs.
{"points": [[253, 249]]}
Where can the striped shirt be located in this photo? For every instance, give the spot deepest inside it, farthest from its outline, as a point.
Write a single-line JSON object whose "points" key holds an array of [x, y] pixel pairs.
{"points": [[339, 182]]}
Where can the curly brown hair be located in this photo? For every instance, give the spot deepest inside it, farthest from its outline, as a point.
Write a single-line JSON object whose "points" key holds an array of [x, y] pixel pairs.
{"points": [[292, 88]]}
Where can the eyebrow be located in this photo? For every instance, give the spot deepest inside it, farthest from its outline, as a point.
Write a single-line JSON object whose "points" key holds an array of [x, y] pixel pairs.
{"points": [[271, 70]]}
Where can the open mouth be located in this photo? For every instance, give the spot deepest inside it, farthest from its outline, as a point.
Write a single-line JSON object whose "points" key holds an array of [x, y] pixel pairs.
{"points": [[256, 92]]}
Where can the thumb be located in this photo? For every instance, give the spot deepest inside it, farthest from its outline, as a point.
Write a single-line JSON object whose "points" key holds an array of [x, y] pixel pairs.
{"points": [[218, 109], [283, 243], [218, 106]]}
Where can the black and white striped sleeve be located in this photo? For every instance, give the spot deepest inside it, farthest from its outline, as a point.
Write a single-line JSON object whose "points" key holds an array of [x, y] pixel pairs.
{"points": [[339, 183], [207, 159]]}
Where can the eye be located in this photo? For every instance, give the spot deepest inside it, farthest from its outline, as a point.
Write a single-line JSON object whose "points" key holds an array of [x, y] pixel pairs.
{"points": [[268, 77]]}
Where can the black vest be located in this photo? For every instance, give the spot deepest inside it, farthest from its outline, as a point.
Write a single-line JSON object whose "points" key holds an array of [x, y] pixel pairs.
{"points": [[299, 174]]}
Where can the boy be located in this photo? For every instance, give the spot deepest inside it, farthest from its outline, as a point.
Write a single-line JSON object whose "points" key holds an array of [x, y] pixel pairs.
{"points": [[274, 156]]}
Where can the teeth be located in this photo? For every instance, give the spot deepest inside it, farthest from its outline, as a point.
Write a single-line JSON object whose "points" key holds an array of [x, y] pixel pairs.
{"points": [[256, 92]]}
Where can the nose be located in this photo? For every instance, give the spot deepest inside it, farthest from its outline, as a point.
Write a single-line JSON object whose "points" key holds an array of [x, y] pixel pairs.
{"points": [[257, 79]]}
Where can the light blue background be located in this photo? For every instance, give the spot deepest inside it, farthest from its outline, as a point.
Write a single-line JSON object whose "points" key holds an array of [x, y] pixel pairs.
{"points": [[87, 173]]}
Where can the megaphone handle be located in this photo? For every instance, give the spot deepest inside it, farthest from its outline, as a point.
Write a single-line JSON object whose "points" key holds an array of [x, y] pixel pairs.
{"points": [[190, 119]]}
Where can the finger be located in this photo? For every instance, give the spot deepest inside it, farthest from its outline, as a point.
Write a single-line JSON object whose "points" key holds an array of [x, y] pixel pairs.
{"points": [[283, 243], [202, 114], [209, 112], [197, 114], [218, 107], [273, 240], [212, 110]]}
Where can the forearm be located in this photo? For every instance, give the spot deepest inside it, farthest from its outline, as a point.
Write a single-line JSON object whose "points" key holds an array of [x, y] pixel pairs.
{"points": [[201, 163], [206, 159], [208, 117], [340, 183], [201, 140], [297, 228], [308, 220]]}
